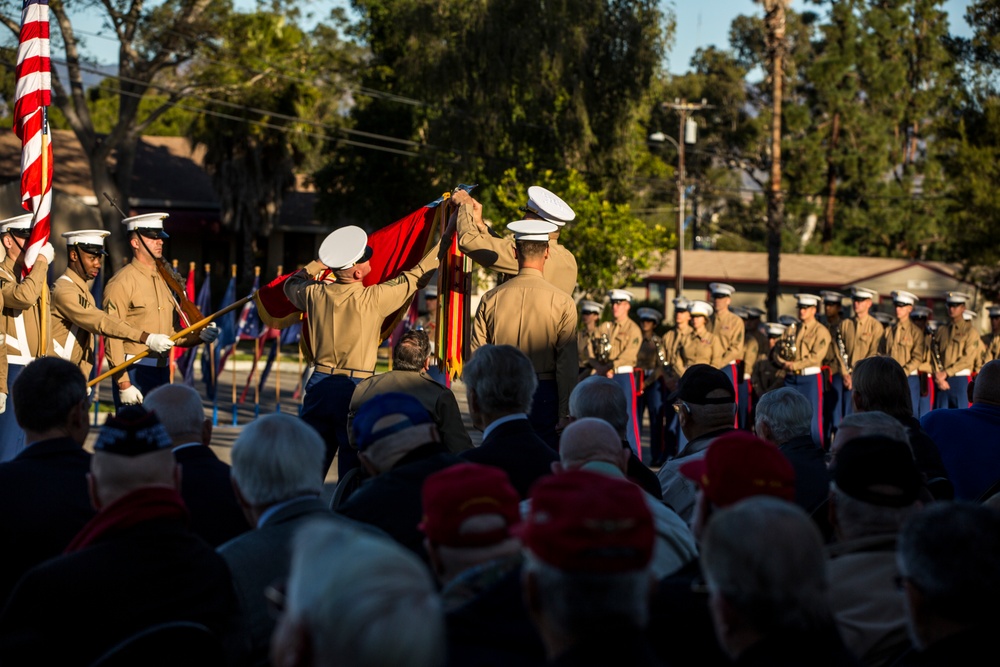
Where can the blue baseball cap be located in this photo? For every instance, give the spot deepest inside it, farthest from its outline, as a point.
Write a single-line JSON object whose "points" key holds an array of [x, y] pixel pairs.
{"points": [[388, 416]]}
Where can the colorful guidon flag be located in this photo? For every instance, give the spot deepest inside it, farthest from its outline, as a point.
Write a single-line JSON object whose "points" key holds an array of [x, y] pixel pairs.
{"points": [[32, 97]]}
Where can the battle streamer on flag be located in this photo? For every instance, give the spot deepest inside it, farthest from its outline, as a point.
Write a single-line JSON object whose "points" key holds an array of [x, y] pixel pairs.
{"points": [[32, 98]]}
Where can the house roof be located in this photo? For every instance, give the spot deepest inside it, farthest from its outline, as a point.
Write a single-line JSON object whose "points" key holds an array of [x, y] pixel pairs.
{"points": [[803, 270]]}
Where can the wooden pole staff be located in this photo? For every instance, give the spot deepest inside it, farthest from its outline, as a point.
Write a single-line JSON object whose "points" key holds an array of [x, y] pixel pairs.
{"points": [[197, 326], [43, 313], [277, 360], [233, 355]]}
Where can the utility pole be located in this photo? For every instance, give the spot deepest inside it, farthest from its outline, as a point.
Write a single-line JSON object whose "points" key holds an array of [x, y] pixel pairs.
{"points": [[774, 23], [683, 107]]}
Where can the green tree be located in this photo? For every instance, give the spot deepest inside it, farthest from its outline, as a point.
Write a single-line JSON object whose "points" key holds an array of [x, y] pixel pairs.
{"points": [[468, 89]]}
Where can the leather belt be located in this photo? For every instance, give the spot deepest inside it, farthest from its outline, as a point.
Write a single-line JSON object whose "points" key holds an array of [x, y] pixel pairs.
{"points": [[349, 372]]}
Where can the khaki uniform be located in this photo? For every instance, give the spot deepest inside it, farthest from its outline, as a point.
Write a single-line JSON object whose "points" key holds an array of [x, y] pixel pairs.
{"points": [[75, 317], [22, 314], [754, 348], [830, 360], [673, 341], [537, 318], [812, 341], [904, 342], [703, 349], [729, 329], [927, 366], [649, 360], [992, 347], [345, 319], [137, 295], [498, 253], [439, 401], [958, 345], [585, 352], [861, 340], [625, 341], [765, 376]]}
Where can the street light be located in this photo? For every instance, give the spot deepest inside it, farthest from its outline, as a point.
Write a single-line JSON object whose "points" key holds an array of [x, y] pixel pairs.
{"points": [[687, 134]]}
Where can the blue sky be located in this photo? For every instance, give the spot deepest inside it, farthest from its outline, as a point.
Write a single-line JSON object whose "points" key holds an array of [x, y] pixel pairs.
{"points": [[699, 23]]}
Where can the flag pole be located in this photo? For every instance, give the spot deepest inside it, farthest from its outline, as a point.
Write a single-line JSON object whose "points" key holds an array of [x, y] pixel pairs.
{"points": [[197, 326], [277, 358], [43, 315]]}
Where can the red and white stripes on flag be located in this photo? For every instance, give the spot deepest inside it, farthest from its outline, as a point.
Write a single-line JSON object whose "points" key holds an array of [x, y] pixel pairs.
{"points": [[34, 94]]}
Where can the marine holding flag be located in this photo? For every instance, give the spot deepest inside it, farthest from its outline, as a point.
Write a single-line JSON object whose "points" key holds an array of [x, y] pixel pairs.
{"points": [[344, 321], [76, 317]]}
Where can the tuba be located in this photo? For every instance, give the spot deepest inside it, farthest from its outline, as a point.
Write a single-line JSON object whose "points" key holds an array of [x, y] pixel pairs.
{"points": [[785, 349]]}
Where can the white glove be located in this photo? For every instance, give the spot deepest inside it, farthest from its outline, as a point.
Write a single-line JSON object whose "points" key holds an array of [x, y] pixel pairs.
{"points": [[48, 252], [130, 396], [210, 333], [159, 343], [3, 403]]}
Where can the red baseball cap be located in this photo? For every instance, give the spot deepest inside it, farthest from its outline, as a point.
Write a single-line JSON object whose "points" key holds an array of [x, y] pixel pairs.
{"points": [[587, 522], [739, 465], [461, 492]]}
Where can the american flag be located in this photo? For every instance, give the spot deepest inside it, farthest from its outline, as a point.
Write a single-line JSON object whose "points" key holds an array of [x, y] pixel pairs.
{"points": [[34, 94]]}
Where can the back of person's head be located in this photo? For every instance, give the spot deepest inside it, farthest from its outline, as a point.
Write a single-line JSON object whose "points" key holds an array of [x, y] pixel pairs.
{"points": [[389, 426], [588, 542], [45, 392], [865, 424], [876, 486], [765, 557], [879, 383], [357, 600], [178, 408], [470, 513], [502, 379], [132, 451], [601, 398], [950, 554], [531, 251], [412, 351], [987, 386], [783, 414], [277, 457], [707, 400], [592, 444]]}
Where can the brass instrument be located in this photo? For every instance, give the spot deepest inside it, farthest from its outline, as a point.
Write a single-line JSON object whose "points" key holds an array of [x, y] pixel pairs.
{"points": [[785, 349], [936, 353], [842, 350], [601, 345]]}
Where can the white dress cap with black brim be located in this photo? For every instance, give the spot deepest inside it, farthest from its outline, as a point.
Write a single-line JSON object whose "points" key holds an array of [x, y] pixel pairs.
{"points": [[920, 313], [807, 300], [904, 298], [342, 248], [19, 223], [753, 312], [993, 311], [775, 329], [720, 289], [549, 206], [956, 297], [829, 296], [788, 320], [681, 303], [650, 314], [970, 315], [532, 230], [90, 240], [702, 308], [149, 225], [863, 293], [620, 295], [591, 307]]}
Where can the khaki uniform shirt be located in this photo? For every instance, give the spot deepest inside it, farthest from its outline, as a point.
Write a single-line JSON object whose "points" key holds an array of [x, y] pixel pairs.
{"points": [[625, 341], [729, 329], [703, 349], [927, 366], [649, 360], [830, 361], [75, 316], [766, 376], [904, 342], [345, 319], [439, 401], [812, 341], [861, 340], [754, 348], [537, 318], [137, 295], [498, 253], [22, 313], [673, 342], [958, 345], [992, 348], [585, 351]]}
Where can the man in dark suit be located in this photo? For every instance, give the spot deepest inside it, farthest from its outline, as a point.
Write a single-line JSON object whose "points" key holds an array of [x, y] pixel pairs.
{"points": [[399, 447], [215, 515], [43, 491], [277, 476], [134, 566], [499, 384]]}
